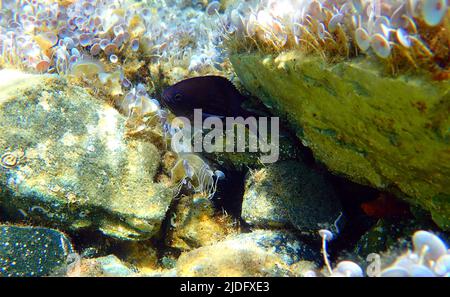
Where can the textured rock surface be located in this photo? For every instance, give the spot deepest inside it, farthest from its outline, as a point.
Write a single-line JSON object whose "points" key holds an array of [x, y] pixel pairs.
{"points": [[288, 150], [260, 253], [108, 266], [66, 161], [388, 133], [195, 224], [290, 194], [32, 251], [389, 234]]}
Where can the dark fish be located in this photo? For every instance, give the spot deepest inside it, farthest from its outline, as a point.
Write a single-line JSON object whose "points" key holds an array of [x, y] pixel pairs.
{"points": [[215, 95]]}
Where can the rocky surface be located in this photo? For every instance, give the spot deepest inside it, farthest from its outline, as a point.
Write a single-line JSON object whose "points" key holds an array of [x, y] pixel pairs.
{"points": [[195, 223], [108, 266], [288, 150], [260, 253], [66, 160], [287, 194], [389, 133], [32, 251]]}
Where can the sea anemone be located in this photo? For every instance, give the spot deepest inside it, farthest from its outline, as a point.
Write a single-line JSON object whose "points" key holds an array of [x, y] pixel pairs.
{"points": [[194, 173], [402, 34]]}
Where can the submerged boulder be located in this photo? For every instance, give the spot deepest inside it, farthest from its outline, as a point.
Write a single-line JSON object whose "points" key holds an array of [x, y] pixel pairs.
{"points": [[108, 266], [288, 194], [389, 133], [66, 160], [260, 253]]}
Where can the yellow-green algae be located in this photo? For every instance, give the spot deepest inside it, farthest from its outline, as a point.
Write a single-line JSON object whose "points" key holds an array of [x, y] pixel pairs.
{"points": [[388, 132]]}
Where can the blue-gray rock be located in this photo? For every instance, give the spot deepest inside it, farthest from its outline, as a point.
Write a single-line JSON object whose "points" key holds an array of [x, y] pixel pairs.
{"points": [[32, 251]]}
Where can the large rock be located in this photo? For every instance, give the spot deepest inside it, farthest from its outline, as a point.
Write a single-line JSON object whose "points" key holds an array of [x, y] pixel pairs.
{"points": [[31, 251], [390, 234], [288, 150], [66, 160], [260, 253], [288, 194], [390, 133]]}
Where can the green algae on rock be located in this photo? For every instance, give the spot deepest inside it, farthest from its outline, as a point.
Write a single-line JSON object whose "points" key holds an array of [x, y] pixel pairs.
{"points": [[288, 194], [389, 133], [66, 160], [32, 251]]}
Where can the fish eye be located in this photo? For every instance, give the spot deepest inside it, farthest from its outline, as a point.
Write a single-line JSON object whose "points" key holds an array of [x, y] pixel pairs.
{"points": [[178, 96]]}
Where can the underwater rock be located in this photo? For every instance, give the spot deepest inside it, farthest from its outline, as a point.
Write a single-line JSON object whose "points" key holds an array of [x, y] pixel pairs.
{"points": [[195, 224], [389, 133], [143, 256], [425, 254], [290, 194], [108, 266], [389, 235], [288, 150], [260, 253], [65, 160], [159, 273], [32, 251]]}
